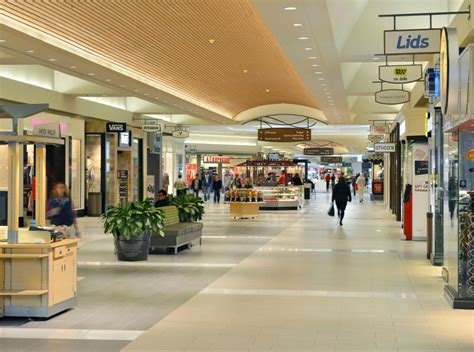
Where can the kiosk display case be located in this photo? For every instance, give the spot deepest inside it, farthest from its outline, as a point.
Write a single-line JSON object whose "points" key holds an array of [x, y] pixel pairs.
{"points": [[281, 197]]}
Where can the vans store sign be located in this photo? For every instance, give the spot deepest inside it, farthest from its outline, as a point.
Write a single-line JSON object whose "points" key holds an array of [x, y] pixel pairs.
{"points": [[413, 41]]}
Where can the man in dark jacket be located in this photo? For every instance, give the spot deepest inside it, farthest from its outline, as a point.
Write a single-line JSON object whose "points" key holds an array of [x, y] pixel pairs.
{"points": [[217, 188], [162, 200], [341, 194]]}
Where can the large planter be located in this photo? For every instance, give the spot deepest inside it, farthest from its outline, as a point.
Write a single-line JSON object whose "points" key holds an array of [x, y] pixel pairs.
{"points": [[134, 249]]}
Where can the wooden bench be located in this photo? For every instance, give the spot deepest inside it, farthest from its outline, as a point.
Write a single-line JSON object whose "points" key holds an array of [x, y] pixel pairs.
{"points": [[177, 233]]}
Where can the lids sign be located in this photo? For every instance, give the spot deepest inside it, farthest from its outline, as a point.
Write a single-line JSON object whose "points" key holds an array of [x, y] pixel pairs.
{"points": [[400, 74], [392, 96], [412, 41]]}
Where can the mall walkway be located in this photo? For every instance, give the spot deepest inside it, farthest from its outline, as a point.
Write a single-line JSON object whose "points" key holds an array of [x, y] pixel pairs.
{"points": [[288, 281], [317, 286]]}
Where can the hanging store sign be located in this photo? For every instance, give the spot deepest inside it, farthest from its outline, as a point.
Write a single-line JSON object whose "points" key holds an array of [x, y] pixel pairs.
{"points": [[384, 147], [318, 151], [51, 130], [412, 41], [449, 70], [114, 127], [151, 127], [331, 159], [375, 137], [180, 134], [379, 129], [392, 96], [216, 159], [284, 134], [400, 74]]}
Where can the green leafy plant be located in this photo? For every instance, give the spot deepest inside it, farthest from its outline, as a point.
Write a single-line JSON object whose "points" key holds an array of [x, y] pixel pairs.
{"points": [[190, 208], [133, 219]]}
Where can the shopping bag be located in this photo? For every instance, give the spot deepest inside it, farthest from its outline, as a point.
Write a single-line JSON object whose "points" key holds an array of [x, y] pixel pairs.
{"points": [[331, 211], [356, 187]]}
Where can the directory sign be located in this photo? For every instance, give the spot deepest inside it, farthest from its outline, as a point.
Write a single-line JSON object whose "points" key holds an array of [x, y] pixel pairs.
{"points": [[318, 151], [284, 134], [392, 96]]}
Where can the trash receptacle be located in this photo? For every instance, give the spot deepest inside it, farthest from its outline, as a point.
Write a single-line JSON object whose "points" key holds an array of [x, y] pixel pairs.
{"points": [[307, 191]]}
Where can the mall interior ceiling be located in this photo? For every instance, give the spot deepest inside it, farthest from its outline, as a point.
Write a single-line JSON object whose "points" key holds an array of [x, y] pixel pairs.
{"points": [[251, 58]]}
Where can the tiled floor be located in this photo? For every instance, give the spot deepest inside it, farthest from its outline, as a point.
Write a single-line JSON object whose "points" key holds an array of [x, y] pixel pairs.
{"points": [[287, 281]]}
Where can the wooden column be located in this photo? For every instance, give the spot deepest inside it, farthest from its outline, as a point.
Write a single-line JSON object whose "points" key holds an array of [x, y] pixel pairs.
{"points": [[13, 191], [41, 192]]}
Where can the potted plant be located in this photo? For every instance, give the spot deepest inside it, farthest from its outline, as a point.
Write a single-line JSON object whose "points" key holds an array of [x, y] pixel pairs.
{"points": [[190, 208], [132, 224]]}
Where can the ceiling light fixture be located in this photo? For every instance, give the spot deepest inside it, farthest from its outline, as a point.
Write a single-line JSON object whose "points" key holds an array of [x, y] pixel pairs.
{"points": [[136, 90], [290, 8], [91, 74], [147, 94], [308, 49], [2, 40], [315, 65], [30, 51], [245, 71], [52, 60], [108, 80], [318, 73], [122, 85], [72, 67], [303, 38], [267, 90], [297, 24], [323, 84], [212, 41], [312, 57], [321, 79], [376, 58]]}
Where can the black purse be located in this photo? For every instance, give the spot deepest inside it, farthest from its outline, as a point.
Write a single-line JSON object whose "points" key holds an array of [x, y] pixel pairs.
{"points": [[331, 211]]}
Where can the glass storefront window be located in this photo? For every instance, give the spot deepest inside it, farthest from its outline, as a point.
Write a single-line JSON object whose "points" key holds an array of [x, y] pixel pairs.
{"points": [[111, 194], [76, 167], [136, 169]]}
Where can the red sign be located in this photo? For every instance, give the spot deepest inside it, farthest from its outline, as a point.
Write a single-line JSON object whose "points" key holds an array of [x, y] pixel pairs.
{"points": [[216, 159], [377, 187]]}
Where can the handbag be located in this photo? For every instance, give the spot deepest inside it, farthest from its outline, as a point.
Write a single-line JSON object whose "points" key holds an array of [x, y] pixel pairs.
{"points": [[331, 211]]}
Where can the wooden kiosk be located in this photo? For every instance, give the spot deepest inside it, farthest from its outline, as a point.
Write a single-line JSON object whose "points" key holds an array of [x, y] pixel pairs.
{"points": [[38, 278]]}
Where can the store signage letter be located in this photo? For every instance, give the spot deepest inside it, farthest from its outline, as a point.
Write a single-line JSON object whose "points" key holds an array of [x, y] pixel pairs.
{"points": [[113, 127]]}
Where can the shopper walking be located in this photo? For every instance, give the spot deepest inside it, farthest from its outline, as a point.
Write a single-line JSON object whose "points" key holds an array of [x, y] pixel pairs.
{"points": [[341, 194], [206, 183], [354, 184], [328, 180], [297, 180], [196, 185], [60, 210], [179, 185], [360, 182], [217, 187]]}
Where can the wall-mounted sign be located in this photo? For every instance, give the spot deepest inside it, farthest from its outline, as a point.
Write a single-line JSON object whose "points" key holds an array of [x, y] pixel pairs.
{"points": [[331, 159], [432, 83], [412, 41], [392, 96], [421, 167], [284, 134], [125, 139], [318, 151], [180, 134], [449, 70], [375, 137], [151, 127], [51, 130], [215, 159], [400, 74], [379, 129], [113, 127], [384, 147]]}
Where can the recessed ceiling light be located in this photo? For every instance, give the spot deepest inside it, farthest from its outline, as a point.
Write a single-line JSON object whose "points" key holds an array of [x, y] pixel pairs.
{"points": [[147, 94], [290, 8], [91, 74], [297, 24], [318, 73], [315, 65], [72, 67], [30, 51], [157, 98], [324, 84], [376, 58], [303, 38], [136, 90], [245, 71], [212, 41], [308, 49], [108, 80], [321, 79], [312, 57], [267, 90], [122, 85], [2, 40], [52, 60], [325, 88], [328, 93]]}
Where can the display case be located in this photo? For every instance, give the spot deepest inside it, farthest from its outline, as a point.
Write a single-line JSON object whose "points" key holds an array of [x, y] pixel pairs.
{"points": [[281, 197]]}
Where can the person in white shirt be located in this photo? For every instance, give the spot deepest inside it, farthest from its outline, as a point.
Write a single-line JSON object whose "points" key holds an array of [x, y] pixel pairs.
{"points": [[361, 187]]}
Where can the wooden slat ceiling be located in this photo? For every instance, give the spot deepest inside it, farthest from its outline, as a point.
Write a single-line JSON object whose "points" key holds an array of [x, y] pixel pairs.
{"points": [[168, 41]]}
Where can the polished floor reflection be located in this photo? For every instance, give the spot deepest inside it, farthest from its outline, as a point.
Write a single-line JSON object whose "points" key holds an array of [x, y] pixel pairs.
{"points": [[286, 281]]}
